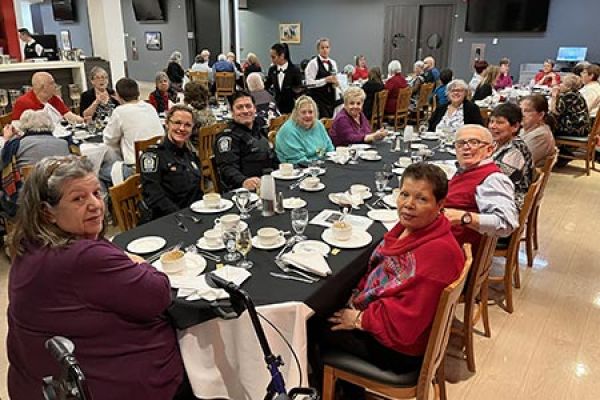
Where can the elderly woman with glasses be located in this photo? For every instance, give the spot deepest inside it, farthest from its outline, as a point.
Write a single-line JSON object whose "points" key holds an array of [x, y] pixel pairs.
{"points": [[99, 101], [164, 96], [457, 112], [171, 171], [66, 279], [350, 125], [302, 138]]}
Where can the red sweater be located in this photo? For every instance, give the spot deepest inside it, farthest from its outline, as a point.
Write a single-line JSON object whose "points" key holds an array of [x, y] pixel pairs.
{"points": [[29, 101], [461, 195], [360, 73], [393, 86], [400, 293]]}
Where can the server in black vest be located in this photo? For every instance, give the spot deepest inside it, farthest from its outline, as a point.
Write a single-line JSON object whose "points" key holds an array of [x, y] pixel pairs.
{"points": [[284, 79], [320, 74], [32, 48]]}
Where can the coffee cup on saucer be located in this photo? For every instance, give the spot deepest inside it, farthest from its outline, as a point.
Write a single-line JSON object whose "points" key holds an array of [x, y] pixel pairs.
{"points": [[286, 169], [342, 151], [268, 236], [228, 221], [341, 230], [173, 261], [212, 200], [311, 182], [361, 190], [212, 237], [404, 162], [370, 154]]}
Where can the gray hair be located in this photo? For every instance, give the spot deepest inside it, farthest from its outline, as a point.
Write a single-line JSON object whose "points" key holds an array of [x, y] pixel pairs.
{"points": [[221, 57], [457, 84], [175, 56], [255, 82], [354, 92], [97, 71], [321, 40], [36, 121], [160, 76], [301, 102], [394, 67], [571, 82], [419, 64], [43, 190], [487, 135]]}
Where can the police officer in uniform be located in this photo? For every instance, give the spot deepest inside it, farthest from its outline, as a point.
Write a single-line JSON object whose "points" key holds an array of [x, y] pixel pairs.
{"points": [[320, 74], [32, 48], [242, 152], [171, 172]]}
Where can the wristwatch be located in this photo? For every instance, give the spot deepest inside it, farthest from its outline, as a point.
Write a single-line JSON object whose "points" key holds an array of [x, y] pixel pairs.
{"points": [[466, 218]]}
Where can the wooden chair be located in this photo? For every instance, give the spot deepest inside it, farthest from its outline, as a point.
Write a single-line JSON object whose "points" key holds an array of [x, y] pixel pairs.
{"points": [[272, 137], [276, 122], [199, 77], [531, 232], [5, 119], [510, 251], [587, 144], [214, 174], [400, 117], [206, 140], [225, 84], [327, 123], [485, 115], [422, 110], [125, 198], [475, 297], [140, 146], [343, 366], [378, 113]]}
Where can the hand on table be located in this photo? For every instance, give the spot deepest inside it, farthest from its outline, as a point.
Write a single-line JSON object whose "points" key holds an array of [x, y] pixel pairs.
{"points": [[251, 183], [135, 258], [345, 319]]}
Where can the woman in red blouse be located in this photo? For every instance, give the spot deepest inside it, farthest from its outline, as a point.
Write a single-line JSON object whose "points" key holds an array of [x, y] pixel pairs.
{"points": [[361, 71], [547, 76]]}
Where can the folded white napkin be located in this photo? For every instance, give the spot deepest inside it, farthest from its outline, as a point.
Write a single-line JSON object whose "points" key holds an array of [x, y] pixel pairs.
{"points": [[355, 200], [340, 159], [196, 288], [308, 261]]}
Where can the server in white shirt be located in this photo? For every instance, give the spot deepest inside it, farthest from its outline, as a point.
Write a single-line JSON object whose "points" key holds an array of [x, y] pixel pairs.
{"points": [[32, 48], [320, 75]]}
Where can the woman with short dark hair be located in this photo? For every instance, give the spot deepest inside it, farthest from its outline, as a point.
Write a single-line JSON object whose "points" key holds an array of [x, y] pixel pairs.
{"points": [[372, 86]]}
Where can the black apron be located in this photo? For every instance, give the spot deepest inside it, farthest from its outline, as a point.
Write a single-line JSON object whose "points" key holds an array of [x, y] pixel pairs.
{"points": [[324, 96]]}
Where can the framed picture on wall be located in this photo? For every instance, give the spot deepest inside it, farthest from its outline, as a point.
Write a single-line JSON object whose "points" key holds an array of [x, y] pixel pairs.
{"points": [[65, 38], [290, 33], [153, 40]]}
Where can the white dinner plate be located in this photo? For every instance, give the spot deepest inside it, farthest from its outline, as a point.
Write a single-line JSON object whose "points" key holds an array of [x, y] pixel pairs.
{"points": [[383, 215], [293, 202], [312, 246], [390, 200], [146, 244], [278, 175], [358, 239], [317, 188], [256, 243], [199, 207], [194, 266], [201, 243], [322, 171], [377, 158]]}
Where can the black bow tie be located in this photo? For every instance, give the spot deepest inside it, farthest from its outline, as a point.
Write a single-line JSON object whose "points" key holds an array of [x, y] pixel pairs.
{"points": [[325, 61], [281, 71]]}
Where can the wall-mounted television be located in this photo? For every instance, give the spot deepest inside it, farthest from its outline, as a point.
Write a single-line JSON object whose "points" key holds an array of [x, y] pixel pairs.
{"points": [[149, 10], [507, 15], [571, 54], [64, 10]]}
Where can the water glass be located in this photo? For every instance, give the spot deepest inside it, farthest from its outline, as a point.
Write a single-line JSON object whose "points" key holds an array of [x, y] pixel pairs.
{"points": [[389, 175], [242, 200], [243, 244], [381, 182], [314, 169], [299, 222], [229, 240], [353, 155], [321, 152]]}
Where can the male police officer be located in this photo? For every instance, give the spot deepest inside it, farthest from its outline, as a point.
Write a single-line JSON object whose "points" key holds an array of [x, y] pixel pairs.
{"points": [[242, 152]]}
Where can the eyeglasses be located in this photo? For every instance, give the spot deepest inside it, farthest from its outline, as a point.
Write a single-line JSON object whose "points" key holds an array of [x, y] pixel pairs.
{"points": [[470, 142], [457, 91], [186, 125]]}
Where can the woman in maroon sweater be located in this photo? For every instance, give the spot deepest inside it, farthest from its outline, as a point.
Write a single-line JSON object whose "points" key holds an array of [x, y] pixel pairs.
{"points": [[389, 315], [67, 280]]}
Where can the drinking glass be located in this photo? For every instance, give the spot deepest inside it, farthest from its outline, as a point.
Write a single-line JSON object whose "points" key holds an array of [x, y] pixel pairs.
{"points": [[75, 94], [229, 240], [380, 183], [3, 100], [321, 152], [314, 169], [242, 199], [299, 222], [416, 157], [389, 175], [353, 155], [243, 244]]}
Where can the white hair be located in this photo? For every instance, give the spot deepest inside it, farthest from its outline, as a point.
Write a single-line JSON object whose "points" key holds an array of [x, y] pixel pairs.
{"points": [[255, 82], [419, 64], [175, 56], [36, 121], [487, 135], [221, 57], [394, 67], [457, 83]]}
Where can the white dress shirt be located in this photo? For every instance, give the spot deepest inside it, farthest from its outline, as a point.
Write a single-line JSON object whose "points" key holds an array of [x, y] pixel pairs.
{"points": [[313, 68]]}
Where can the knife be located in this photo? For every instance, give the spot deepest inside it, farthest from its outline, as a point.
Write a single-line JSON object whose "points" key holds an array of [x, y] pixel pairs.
{"points": [[180, 224], [290, 277]]}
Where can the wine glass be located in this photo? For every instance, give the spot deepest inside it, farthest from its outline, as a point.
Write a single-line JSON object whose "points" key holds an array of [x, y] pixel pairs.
{"points": [[242, 199], [314, 169], [299, 222], [243, 244], [353, 155], [229, 239], [380, 183], [321, 152]]}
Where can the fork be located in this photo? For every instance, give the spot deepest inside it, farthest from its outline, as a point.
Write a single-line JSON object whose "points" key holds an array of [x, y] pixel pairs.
{"points": [[194, 219], [291, 277], [211, 257], [284, 267], [180, 224]]}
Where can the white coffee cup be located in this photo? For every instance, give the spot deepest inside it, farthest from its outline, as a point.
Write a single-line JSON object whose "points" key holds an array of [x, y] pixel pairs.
{"points": [[268, 236], [286, 169], [228, 221], [342, 151], [212, 237], [404, 162], [370, 154], [212, 200], [359, 189], [341, 230], [173, 261], [311, 182]]}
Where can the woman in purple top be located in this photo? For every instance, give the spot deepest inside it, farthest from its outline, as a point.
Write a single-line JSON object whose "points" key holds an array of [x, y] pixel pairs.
{"points": [[350, 125], [504, 80], [67, 279]]}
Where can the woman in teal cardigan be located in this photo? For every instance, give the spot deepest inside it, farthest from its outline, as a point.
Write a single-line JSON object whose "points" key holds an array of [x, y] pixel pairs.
{"points": [[303, 136]]}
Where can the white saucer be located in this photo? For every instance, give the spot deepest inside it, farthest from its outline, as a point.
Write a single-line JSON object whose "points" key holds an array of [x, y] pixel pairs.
{"points": [[322, 171], [277, 175], [289, 204], [370, 159], [389, 200], [383, 215], [398, 171], [194, 266], [257, 244], [430, 136], [418, 146], [312, 246], [317, 188], [360, 146], [359, 239], [201, 243], [146, 244], [199, 207]]}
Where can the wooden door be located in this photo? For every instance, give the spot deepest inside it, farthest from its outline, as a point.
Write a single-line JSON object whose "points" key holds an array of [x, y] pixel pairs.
{"points": [[435, 33], [400, 36]]}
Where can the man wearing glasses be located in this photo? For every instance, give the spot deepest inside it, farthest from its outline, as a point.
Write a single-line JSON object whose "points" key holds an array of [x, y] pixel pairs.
{"points": [[481, 199]]}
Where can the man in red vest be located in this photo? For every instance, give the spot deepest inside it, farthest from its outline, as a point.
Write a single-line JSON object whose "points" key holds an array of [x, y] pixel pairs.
{"points": [[481, 199]]}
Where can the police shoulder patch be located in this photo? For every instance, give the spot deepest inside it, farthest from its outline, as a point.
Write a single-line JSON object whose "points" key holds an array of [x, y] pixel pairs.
{"points": [[224, 144], [149, 162]]}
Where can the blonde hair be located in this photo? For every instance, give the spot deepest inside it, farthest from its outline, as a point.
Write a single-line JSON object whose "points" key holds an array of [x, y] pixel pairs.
{"points": [[572, 82], [354, 92], [301, 102], [252, 58]]}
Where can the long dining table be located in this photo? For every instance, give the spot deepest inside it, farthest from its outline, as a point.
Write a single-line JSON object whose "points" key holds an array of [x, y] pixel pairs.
{"points": [[222, 356]]}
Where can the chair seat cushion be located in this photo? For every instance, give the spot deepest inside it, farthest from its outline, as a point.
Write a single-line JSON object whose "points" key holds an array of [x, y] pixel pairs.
{"points": [[580, 139], [350, 363]]}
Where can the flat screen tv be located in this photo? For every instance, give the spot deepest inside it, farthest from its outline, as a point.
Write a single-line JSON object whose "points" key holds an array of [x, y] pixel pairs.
{"points": [[149, 10], [571, 54], [64, 10], [507, 15]]}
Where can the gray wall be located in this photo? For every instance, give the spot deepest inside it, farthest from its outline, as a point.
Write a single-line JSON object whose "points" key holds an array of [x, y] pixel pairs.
{"points": [[356, 26], [80, 29], [207, 18], [174, 37]]}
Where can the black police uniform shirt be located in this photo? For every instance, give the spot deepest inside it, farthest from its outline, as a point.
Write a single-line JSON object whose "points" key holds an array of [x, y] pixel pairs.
{"points": [[241, 153], [171, 178]]}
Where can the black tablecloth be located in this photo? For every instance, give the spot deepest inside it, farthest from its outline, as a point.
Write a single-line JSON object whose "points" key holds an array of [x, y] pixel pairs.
{"points": [[324, 296]]}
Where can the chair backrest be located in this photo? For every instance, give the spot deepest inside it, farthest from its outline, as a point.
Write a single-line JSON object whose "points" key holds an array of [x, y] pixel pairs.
{"points": [[480, 268], [515, 237], [214, 174], [594, 133], [140, 146], [403, 100], [424, 93], [5, 119], [546, 170], [440, 329], [125, 198], [199, 76], [206, 141], [224, 83], [378, 109], [272, 137], [327, 123], [276, 122]]}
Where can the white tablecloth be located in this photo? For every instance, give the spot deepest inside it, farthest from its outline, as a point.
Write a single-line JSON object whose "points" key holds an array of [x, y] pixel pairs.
{"points": [[223, 358]]}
